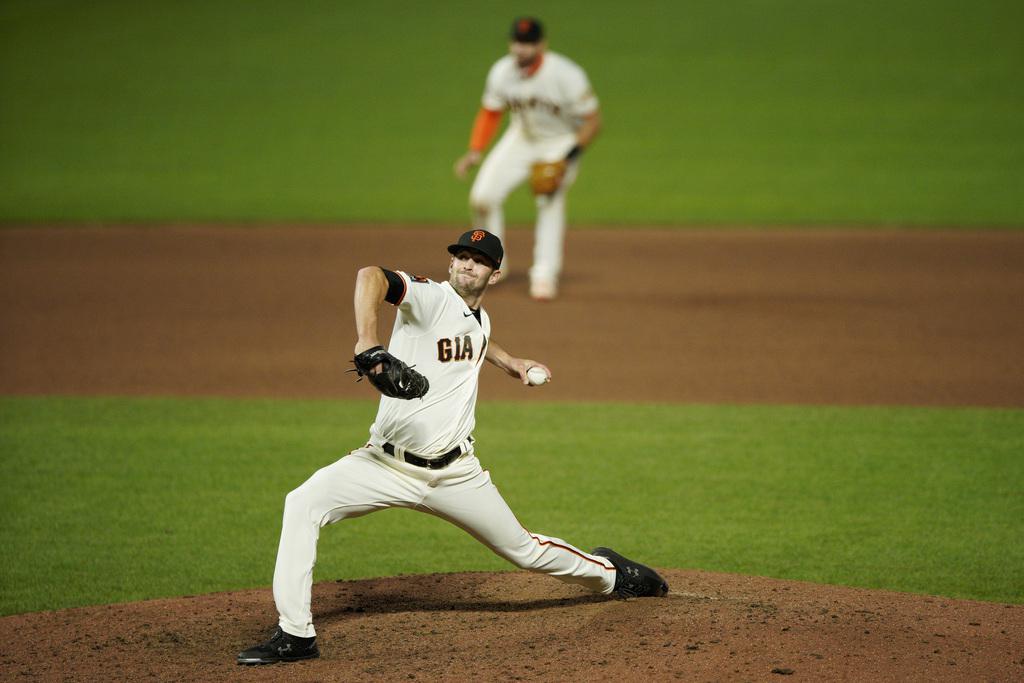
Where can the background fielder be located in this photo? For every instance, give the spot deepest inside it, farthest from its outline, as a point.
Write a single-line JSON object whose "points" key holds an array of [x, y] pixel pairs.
{"points": [[554, 117], [421, 453]]}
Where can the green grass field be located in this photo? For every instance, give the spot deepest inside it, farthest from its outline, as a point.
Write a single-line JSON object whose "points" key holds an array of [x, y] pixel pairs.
{"points": [[746, 112], [122, 499], [754, 112]]}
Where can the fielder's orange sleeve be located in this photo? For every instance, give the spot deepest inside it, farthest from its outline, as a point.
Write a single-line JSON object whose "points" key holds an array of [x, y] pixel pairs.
{"points": [[484, 128]]}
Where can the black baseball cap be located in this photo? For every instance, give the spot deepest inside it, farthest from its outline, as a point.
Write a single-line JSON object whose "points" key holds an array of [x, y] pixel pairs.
{"points": [[527, 30], [481, 242]]}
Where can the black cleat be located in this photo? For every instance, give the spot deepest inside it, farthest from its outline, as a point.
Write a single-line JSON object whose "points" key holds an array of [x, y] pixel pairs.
{"points": [[282, 647], [632, 579]]}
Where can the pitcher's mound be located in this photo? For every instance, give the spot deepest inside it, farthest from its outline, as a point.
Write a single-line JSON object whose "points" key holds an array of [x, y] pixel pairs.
{"points": [[518, 626]]}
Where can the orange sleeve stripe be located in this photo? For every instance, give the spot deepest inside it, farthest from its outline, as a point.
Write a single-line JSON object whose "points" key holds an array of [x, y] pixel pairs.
{"points": [[484, 128]]}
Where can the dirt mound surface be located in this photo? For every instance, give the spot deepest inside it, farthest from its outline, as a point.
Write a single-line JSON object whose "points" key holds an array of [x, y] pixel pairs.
{"points": [[519, 626]]}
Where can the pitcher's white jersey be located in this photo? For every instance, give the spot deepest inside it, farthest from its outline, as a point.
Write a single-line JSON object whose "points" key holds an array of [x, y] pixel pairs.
{"points": [[436, 332], [548, 103]]}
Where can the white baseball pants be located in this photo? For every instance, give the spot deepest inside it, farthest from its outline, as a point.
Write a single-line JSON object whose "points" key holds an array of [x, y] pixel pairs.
{"points": [[462, 493], [505, 168]]}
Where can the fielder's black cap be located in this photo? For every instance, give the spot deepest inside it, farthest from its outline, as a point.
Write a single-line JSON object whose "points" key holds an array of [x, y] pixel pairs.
{"points": [[527, 30], [482, 242]]}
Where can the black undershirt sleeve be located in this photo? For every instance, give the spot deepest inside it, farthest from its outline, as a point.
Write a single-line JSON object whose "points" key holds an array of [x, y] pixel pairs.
{"points": [[395, 287]]}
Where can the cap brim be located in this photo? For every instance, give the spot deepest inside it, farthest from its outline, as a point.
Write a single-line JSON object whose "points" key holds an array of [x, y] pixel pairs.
{"points": [[453, 249]]}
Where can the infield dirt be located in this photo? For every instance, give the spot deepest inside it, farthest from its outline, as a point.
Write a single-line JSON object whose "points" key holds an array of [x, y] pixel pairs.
{"points": [[739, 316]]}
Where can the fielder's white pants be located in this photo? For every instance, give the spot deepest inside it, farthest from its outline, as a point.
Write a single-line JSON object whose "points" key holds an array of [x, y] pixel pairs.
{"points": [[369, 479], [508, 166]]}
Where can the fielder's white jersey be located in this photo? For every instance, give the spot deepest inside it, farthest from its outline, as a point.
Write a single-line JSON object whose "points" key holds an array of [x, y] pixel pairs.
{"points": [[549, 103], [438, 333]]}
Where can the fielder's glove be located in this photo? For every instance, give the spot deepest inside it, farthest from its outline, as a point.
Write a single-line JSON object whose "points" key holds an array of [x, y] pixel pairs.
{"points": [[546, 176], [395, 379]]}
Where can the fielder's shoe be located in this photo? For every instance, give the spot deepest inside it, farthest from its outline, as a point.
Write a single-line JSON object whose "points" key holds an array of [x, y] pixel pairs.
{"points": [[632, 579], [543, 289], [282, 647]]}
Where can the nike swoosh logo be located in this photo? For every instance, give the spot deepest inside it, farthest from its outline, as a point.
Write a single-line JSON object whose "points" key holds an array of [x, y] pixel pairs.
{"points": [[466, 315]]}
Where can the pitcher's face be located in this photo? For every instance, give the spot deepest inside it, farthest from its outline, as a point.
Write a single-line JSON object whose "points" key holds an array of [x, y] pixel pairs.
{"points": [[471, 272]]}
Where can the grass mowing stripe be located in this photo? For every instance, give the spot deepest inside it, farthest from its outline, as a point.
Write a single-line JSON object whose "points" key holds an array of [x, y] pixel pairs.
{"points": [[121, 499]]}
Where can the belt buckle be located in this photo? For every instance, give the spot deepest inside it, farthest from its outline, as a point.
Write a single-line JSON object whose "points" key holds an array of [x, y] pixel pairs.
{"points": [[443, 461]]}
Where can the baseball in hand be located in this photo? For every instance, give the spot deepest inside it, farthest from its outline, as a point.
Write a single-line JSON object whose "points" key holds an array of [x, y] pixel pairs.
{"points": [[536, 376]]}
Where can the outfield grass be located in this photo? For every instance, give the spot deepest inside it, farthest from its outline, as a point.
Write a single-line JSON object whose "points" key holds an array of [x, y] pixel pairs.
{"points": [[789, 111], [117, 499]]}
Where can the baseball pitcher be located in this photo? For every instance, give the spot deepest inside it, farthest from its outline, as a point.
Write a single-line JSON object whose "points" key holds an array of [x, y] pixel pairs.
{"points": [[420, 453], [554, 117]]}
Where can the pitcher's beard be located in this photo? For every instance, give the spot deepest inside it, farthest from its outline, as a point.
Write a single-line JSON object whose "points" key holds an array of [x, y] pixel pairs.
{"points": [[463, 289]]}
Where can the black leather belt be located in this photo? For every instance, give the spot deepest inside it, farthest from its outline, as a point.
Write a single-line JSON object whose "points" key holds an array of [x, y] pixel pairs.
{"points": [[437, 463]]}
